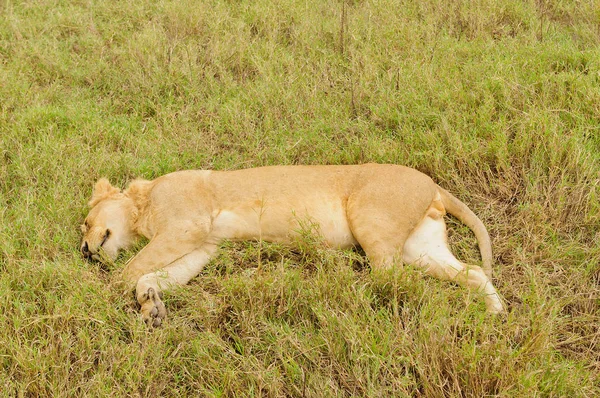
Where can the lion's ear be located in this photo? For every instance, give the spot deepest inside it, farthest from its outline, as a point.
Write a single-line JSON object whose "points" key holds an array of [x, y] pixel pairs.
{"points": [[102, 190], [139, 191]]}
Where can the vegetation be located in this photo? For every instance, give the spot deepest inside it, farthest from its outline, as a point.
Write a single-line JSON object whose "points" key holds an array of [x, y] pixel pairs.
{"points": [[497, 101]]}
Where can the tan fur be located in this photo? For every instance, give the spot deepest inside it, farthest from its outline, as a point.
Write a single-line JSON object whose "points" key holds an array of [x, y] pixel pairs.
{"points": [[383, 208]]}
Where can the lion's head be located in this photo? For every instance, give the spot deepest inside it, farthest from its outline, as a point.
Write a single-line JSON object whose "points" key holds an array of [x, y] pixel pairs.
{"points": [[108, 226]]}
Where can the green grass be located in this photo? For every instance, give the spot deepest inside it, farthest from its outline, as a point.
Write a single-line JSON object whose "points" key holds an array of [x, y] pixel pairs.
{"points": [[497, 101]]}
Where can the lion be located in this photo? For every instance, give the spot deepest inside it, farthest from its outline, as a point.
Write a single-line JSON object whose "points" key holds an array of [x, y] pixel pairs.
{"points": [[395, 213]]}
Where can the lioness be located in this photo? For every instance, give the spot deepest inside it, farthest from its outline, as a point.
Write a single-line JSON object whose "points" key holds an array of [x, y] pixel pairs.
{"points": [[394, 213]]}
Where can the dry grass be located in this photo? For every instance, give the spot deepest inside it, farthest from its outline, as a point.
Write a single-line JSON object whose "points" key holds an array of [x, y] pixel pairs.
{"points": [[498, 101]]}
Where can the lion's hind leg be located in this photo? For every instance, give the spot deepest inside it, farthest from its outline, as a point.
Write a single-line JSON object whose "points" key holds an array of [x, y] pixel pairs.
{"points": [[427, 248]]}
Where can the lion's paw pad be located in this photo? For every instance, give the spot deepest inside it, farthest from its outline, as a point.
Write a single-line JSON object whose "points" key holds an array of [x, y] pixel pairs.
{"points": [[153, 309]]}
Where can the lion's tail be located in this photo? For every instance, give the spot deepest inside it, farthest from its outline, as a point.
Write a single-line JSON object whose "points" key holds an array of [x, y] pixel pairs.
{"points": [[465, 215]]}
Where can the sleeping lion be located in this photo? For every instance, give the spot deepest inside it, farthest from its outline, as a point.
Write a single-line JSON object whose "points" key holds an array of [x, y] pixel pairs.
{"points": [[394, 213]]}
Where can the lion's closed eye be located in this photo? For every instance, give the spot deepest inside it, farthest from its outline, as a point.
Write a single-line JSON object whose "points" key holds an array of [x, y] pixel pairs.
{"points": [[105, 237]]}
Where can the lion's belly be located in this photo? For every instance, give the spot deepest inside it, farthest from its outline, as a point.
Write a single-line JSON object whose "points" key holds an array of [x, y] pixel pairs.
{"points": [[285, 224], [331, 224]]}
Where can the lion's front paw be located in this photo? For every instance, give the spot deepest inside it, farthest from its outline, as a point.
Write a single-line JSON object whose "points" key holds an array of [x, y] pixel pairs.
{"points": [[153, 309]]}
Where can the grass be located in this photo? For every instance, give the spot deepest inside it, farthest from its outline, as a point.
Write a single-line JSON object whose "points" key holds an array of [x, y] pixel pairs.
{"points": [[497, 101]]}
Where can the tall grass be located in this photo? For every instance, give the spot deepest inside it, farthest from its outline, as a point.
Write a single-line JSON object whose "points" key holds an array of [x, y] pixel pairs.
{"points": [[497, 101]]}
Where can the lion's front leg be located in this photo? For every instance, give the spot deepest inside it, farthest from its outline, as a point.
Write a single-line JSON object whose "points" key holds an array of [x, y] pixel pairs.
{"points": [[161, 251], [150, 286]]}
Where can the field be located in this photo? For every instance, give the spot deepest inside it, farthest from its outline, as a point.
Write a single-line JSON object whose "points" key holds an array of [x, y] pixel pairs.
{"points": [[498, 101]]}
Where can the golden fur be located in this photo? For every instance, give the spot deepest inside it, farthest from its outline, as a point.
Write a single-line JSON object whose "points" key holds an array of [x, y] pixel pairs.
{"points": [[394, 213]]}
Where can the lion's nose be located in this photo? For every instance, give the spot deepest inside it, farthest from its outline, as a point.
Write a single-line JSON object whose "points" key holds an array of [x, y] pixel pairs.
{"points": [[85, 250]]}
